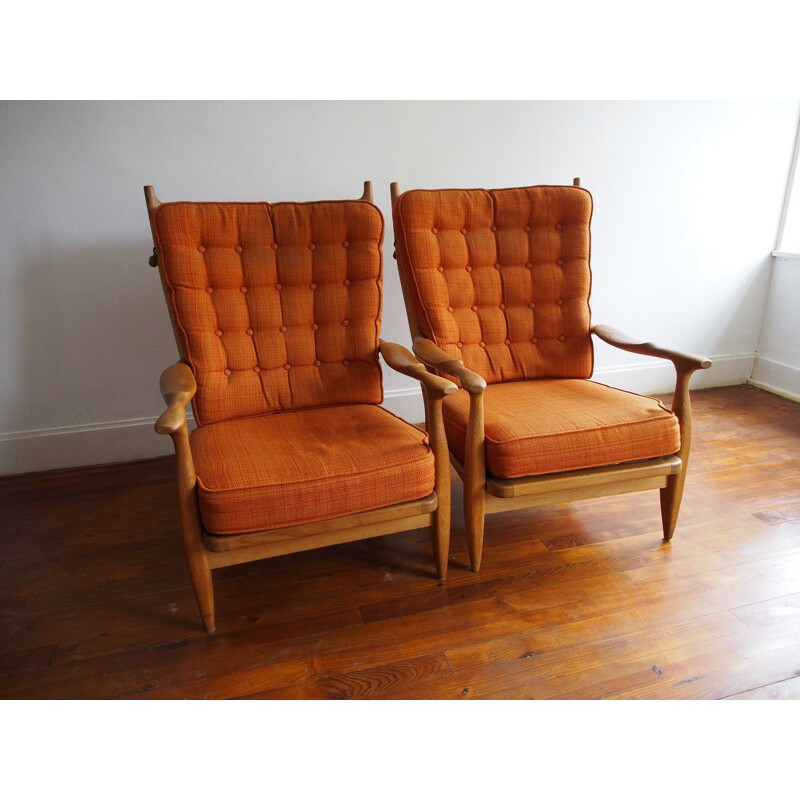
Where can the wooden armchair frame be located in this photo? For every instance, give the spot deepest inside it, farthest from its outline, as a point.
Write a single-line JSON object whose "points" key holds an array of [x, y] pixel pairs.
{"points": [[487, 495], [207, 551]]}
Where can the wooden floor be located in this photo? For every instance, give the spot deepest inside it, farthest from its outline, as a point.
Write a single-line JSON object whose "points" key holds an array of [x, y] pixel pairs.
{"points": [[574, 601]]}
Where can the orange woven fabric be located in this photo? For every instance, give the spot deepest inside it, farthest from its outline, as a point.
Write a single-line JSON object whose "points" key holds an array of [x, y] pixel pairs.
{"points": [[501, 278], [277, 307], [305, 466], [543, 426]]}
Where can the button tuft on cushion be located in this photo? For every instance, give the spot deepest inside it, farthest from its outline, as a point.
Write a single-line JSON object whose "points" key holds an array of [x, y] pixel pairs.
{"points": [[559, 302], [558, 226], [346, 363], [529, 265], [502, 307], [345, 282], [440, 268], [256, 369], [238, 248], [534, 340], [494, 228], [278, 286], [243, 289], [497, 266], [434, 230], [560, 262], [561, 338], [345, 323], [274, 245], [218, 332], [345, 244], [468, 268], [314, 326], [287, 366], [282, 329], [227, 372], [474, 308], [507, 341], [464, 231], [483, 344], [201, 249], [317, 363], [312, 285], [249, 331], [527, 228], [450, 309], [531, 305], [312, 247], [459, 345], [209, 290]]}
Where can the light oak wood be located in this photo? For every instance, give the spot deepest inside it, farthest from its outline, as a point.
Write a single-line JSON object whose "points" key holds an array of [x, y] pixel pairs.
{"points": [[485, 494], [206, 552]]}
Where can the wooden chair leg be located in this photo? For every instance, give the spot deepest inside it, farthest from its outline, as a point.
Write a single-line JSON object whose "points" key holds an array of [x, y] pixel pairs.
{"points": [[672, 493], [671, 496], [440, 519], [475, 481]]}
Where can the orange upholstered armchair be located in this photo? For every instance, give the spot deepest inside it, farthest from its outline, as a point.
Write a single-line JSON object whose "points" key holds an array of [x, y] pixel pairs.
{"points": [[276, 313], [496, 285]]}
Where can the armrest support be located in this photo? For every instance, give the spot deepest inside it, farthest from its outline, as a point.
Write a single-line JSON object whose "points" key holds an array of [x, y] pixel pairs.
{"points": [[435, 358], [684, 362], [178, 387], [400, 360]]}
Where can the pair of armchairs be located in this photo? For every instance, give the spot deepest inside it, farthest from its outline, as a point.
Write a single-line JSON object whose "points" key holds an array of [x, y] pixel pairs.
{"points": [[276, 312]]}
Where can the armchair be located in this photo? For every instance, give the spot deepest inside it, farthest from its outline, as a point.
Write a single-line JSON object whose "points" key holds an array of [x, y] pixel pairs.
{"points": [[496, 286], [276, 314]]}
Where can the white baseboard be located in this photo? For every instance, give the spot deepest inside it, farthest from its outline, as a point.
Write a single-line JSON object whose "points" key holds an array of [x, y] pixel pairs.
{"points": [[775, 377], [135, 439]]}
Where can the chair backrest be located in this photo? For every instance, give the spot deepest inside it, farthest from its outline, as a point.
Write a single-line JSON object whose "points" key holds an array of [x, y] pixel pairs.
{"points": [[274, 307], [500, 278]]}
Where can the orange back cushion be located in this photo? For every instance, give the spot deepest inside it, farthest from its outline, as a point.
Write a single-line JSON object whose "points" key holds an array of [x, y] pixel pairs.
{"points": [[501, 278], [275, 307]]}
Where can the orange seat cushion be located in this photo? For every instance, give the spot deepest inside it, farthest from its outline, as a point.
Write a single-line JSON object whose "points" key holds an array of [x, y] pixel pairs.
{"points": [[544, 426], [291, 468], [501, 279]]}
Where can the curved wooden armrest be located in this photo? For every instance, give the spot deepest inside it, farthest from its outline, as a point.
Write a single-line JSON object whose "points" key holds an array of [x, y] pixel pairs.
{"points": [[400, 360], [435, 358], [178, 387], [684, 362]]}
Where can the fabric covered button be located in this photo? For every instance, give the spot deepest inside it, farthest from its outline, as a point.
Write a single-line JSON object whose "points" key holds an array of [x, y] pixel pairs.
{"points": [[440, 268], [527, 228], [345, 244], [534, 340], [278, 286], [314, 326], [494, 228], [312, 285], [558, 226], [529, 265], [274, 245], [434, 230], [483, 344], [256, 369], [238, 248], [468, 268], [312, 247], [282, 329], [459, 345], [209, 290], [497, 266], [463, 231], [287, 366], [560, 262], [346, 363], [345, 282], [559, 302], [345, 323], [243, 289], [561, 338], [218, 332], [531, 305], [317, 363], [450, 309], [502, 306], [507, 341], [201, 249], [227, 372], [249, 331], [474, 308]]}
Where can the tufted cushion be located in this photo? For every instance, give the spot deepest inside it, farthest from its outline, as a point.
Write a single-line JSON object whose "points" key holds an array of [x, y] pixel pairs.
{"points": [[501, 278], [276, 307], [543, 426], [304, 466]]}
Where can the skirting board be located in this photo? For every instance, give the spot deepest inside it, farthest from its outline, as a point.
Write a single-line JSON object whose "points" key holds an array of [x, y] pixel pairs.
{"points": [[776, 377], [135, 439]]}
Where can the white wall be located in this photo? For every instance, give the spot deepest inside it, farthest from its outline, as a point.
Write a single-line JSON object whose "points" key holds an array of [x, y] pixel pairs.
{"points": [[687, 202]]}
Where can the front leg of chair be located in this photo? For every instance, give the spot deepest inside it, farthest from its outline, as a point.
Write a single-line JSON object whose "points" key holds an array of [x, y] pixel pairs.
{"points": [[440, 528], [178, 388], [475, 480], [672, 493]]}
